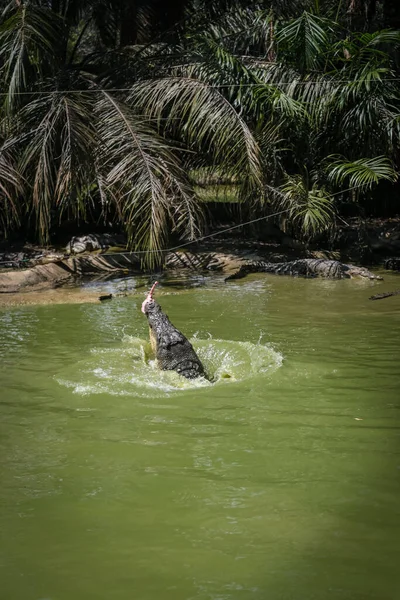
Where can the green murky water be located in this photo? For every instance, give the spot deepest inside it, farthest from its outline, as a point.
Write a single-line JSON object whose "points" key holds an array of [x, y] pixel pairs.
{"points": [[280, 481]]}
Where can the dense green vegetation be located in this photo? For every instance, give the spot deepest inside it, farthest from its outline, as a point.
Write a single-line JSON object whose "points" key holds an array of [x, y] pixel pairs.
{"points": [[120, 111]]}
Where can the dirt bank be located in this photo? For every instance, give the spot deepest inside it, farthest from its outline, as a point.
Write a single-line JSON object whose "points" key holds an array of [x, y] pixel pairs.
{"points": [[61, 271], [46, 275]]}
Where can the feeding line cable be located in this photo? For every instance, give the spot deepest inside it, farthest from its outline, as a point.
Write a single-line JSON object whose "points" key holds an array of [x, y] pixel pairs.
{"points": [[166, 250], [200, 239], [211, 235]]}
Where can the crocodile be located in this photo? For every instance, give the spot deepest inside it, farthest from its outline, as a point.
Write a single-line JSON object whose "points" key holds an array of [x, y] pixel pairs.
{"points": [[52, 273], [305, 267], [237, 266], [172, 349]]}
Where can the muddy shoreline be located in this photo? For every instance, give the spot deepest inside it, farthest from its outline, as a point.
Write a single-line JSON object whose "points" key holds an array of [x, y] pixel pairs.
{"points": [[50, 275]]}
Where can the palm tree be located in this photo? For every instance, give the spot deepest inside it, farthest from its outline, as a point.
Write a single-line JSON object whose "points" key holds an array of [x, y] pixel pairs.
{"points": [[87, 142], [323, 104], [291, 111]]}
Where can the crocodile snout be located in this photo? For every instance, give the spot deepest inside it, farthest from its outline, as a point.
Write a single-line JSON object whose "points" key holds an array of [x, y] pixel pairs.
{"points": [[146, 304]]}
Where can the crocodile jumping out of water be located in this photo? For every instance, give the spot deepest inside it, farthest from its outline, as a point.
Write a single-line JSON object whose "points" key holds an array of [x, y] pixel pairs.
{"points": [[173, 351], [305, 267]]}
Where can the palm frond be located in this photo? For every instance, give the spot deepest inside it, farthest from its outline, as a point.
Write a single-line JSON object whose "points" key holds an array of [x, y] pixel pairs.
{"points": [[199, 115], [58, 156], [278, 101], [383, 37], [361, 173], [29, 36], [309, 209], [305, 40], [11, 186], [144, 175]]}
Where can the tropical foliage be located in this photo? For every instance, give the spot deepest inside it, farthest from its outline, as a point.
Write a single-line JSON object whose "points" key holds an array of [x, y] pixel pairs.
{"points": [[111, 110]]}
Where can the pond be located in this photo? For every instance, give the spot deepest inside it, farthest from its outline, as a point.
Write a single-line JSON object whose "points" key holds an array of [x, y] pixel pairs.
{"points": [[278, 481]]}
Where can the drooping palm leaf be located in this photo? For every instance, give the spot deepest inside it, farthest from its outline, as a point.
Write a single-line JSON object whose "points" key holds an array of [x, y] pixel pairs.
{"points": [[143, 173], [58, 158], [29, 37], [361, 173], [309, 207], [11, 187], [202, 117]]}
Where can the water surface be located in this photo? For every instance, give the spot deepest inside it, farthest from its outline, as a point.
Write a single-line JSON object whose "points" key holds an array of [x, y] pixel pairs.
{"points": [[278, 481]]}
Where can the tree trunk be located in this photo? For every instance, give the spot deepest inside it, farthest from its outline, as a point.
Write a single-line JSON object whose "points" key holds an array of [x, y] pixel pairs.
{"points": [[356, 14]]}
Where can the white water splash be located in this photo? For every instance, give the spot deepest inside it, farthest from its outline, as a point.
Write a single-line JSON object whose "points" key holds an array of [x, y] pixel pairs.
{"points": [[130, 369]]}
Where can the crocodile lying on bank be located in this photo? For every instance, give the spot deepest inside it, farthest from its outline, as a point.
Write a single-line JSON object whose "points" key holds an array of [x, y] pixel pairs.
{"points": [[305, 267], [173, 351], [58, 272], [236, 266]]}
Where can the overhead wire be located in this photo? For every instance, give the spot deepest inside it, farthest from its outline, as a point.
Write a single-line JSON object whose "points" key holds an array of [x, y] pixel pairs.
{"points": [[220, 86]]}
